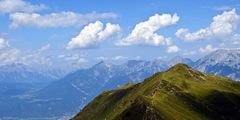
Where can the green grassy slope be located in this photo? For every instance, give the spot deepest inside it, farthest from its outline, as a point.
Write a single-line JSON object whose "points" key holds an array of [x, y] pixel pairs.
{"points": [[178, 93]]}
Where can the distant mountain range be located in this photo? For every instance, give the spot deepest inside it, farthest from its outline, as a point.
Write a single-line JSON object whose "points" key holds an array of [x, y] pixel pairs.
{"points": [[73, 91], [223, 62], [20, 78], [21, 73], [179, 59], [178, 93]]}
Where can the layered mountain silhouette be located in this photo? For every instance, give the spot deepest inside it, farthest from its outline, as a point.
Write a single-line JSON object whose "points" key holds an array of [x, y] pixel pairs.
{"points": [[24, 92], [75, 90], [178, 93]]}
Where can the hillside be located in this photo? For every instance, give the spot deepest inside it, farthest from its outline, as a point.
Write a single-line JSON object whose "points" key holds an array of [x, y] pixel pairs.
{"points": [[178, 93]]}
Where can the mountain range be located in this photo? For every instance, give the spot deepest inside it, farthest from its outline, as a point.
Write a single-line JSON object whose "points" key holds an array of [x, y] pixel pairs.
{"points": [[20, 78], [73, 91], [222, 62], [178, 93]]}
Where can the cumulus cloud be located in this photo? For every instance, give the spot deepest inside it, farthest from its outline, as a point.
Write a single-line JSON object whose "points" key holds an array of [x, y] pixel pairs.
{"points": [[3, 43], [145, 33], [22, 13], [61, 19], [207, 49], [11, 6], [173, 49], [223, 27], [92, 34]]}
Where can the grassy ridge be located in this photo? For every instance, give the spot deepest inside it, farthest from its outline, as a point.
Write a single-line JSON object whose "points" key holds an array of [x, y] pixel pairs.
{"points": [[178, 93]]}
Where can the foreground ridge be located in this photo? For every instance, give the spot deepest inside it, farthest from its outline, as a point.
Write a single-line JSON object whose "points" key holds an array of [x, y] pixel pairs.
{"points": [[178, 93]]}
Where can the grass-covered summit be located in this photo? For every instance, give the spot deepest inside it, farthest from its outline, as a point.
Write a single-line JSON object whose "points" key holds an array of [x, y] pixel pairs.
{"points": [[176, 94]]}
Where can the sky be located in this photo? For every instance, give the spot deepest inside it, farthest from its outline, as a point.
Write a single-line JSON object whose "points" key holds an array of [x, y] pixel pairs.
{"points": [[79, 33]]}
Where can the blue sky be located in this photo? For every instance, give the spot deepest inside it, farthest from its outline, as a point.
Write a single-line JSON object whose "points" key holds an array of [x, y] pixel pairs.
{"points": [[51, 32]]}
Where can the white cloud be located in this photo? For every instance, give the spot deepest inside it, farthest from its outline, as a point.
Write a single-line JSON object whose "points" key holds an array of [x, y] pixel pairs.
{"points": [[208, 48], [223, 27], [74, 61], [173, 49], [3, 43], [61, 19], [44, 48], [61, 56], [32, 58], [189, 53], [35, 57], [10, 56], [75, 58], [114, 58], [161, 57], [92, 34], [138, 57], [144, 33], [38, 58], [236, 39], [11, 6], [102, 58], [222, 8]]}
